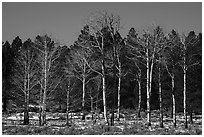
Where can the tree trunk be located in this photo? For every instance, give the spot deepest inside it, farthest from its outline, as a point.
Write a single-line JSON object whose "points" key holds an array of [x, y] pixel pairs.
{"points": [[114, 84], [191, 117], [148, 90], [83, 98], [45, 90], [140, 97], [28, 96], [103, 83], [4, 105], [67, 111], [119, 85], [173, 101], [112, 118], [113, 103], [184, 97], [97, 100], [26, 118], [40, 107], [160, 100], [92, 110], [26, 115], [150, 76], [44, 109], [119, 82], [172, 107], [104, 100]]}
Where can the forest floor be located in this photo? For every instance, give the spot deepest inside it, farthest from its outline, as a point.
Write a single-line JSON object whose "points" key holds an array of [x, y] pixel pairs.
{"points": [[129, 124]]}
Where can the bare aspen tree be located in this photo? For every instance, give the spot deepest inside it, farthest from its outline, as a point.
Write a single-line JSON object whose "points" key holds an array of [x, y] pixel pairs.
{"points": [[172, 75], [171, 59], [160, 63], [149, 57], [118, 53], [132, 43], [48, 53], [150, 46], [160, 99], [144, 45], [98, 22], [69, 81], [69, 88], [81, 55], [189, 52], [25, 74], [119, 83], [153, 44], [93, 86], [81, 71], [160, 41], [139, 80], [145, 49]]}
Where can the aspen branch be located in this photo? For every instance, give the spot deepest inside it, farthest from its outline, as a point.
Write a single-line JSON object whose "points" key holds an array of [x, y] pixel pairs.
{"points": [[168, 71], [92, 68], [90, 80], [55, 86], [194, 64], [19, 85]]}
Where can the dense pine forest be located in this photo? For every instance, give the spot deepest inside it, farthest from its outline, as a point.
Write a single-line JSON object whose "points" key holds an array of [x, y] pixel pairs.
{"points": [[148, 82]]}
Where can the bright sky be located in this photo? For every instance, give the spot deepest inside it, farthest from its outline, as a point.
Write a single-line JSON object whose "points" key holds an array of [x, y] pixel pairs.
{"points": [[65, 20]]}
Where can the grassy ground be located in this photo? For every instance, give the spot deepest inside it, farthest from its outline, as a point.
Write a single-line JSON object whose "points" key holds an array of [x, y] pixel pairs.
{"points": [[129, 125]]}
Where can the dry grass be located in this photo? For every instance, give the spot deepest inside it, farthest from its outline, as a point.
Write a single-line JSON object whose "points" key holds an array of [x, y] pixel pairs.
{"points": [[129, 125]]}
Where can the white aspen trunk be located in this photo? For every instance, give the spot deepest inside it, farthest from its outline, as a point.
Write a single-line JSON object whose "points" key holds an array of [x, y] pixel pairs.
{"points": [[104, 99], [150, 77], [184, 94], [67, 111], [160, 99], [173, 100], [92, 109], [119, 83], [150, 88], [138, 78], [45, 90], [103, 84], [28, 93], [148, 93], [83, 97], [140, 97]]}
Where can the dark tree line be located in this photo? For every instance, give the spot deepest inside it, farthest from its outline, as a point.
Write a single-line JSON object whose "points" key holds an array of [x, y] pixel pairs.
{"points": [[104, 71]]}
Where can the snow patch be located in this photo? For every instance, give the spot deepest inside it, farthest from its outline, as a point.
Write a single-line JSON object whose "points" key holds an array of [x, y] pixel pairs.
{"points": [[34, 118]]}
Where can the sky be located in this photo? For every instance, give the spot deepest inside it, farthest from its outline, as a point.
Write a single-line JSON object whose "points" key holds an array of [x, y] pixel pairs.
{"points": [[65, 20]]}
